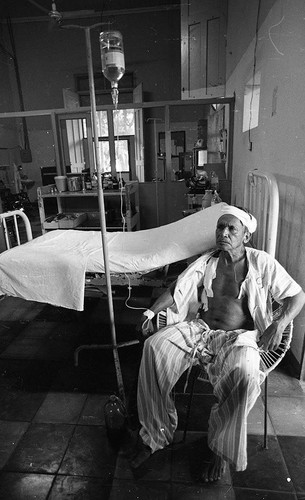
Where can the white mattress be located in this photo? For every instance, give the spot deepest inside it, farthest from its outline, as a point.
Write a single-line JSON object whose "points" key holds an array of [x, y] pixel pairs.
{"points": [[52, 267]]}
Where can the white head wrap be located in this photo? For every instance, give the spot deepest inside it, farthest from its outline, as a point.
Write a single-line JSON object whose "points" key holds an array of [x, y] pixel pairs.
{"points": [[247, 219]]}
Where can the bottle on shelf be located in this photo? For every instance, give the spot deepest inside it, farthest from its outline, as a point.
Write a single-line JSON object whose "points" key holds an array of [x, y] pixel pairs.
{"points": [[115, 183], [214, 181], [94, 180], [87, 179], [207, 198], [121, 183], [215, 198]]}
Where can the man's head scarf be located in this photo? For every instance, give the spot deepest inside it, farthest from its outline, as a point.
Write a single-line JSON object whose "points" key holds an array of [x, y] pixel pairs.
{"points": [[245, 218]]}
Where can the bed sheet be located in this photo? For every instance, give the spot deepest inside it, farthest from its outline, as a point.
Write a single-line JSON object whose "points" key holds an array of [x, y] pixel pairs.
{"points": [[52, 267]]}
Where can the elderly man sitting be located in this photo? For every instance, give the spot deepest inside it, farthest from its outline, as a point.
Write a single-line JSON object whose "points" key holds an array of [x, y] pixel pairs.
{"points": [[220, 307]]}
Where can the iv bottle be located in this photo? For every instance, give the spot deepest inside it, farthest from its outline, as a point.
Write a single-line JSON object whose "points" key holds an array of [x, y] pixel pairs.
{"points": [[113, 61]]}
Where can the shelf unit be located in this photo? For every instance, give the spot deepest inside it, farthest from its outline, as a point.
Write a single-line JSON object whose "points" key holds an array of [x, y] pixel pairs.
{"points": [[126, 201]]}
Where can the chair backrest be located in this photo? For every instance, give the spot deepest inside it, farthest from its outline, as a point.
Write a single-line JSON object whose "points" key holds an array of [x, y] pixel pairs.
{"points": [[15, 229], [261, 198]]}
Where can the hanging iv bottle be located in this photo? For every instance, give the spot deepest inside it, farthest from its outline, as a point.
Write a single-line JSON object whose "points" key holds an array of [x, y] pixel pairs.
{"points": [[113, 61]]}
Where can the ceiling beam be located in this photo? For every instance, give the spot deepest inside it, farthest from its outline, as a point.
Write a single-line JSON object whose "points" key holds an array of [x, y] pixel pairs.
{"points": [[89, 14]]}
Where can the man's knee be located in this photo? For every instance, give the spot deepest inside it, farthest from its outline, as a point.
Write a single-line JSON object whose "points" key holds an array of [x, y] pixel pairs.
{"points": [[153, 343], [245, 376]]}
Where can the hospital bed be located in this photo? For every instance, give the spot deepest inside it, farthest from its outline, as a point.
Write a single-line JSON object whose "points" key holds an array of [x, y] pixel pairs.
{"points": [[54, 268]]}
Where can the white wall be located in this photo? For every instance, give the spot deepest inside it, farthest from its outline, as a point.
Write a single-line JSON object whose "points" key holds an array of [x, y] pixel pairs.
{"points": [[278, 141]]}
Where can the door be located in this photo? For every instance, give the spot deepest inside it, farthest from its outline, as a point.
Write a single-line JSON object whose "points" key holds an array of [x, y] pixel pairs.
{"points": [[203, 30]]}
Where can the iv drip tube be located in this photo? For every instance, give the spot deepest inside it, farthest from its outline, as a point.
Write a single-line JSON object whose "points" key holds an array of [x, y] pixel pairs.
{"points": [[102, 219]]}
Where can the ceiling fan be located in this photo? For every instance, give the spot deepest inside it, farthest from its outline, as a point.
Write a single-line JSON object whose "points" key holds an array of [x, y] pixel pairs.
{"points": [[57, 16], [54, 14]]}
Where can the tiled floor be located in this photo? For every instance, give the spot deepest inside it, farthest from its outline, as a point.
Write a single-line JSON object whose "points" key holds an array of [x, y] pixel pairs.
{"points": [[53, 441]]}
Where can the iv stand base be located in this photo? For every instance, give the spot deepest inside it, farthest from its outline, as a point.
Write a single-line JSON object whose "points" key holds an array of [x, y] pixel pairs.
{"points": [[101, 346]]}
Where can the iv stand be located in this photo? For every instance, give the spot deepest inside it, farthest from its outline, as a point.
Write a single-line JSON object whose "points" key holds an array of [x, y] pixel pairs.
{"points": [[114, 346]]}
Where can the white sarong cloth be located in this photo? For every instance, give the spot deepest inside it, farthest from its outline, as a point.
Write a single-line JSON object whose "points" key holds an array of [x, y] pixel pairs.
{"points": [[232, 363]]}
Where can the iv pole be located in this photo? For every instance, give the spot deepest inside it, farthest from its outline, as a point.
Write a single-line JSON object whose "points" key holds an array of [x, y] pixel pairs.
{"points": [[114, 346]]}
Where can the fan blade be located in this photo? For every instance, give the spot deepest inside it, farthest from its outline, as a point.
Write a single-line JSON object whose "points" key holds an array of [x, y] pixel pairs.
{"points": [[43, 9]]}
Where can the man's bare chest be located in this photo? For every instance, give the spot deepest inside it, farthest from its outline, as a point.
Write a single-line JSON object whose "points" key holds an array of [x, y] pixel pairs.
{"points": [[228, 279]]}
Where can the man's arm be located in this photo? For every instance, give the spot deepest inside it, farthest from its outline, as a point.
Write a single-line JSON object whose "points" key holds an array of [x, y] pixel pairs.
{"points": [[271, 338]]}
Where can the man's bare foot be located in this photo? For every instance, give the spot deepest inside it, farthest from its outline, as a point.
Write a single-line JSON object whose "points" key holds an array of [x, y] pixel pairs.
{"points": [[213, 470]]}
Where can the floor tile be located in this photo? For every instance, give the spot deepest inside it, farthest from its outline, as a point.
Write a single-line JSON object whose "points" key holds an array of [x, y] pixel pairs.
{"points": [[287, 415], [39, 330], [202, 491], [55, 349], [19, 405], [293, 449], [93, 410], [249, 494], [95, 374], [89, 454], [16, 309], [13, 373], [279, 384], [188, 459], [79, 488], [39, 375], [27, 348], [16, 486], [128, 490], [41, 449], [61, 407], [10, 434], [256, 419], [266, 468], [9, 330], [156, 468]]}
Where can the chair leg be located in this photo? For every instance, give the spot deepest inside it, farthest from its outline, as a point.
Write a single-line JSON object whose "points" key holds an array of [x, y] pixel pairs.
{"points": [[266, 415], [194, 378]]}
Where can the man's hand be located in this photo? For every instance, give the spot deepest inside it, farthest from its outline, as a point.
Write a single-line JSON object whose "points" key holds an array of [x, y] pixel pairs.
{"points": [[271, 338], [145, 326]]}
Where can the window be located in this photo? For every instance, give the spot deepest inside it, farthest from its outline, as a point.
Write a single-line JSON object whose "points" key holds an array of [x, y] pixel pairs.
{"points": [[124, 131], [121, 155], [251, 102]]}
